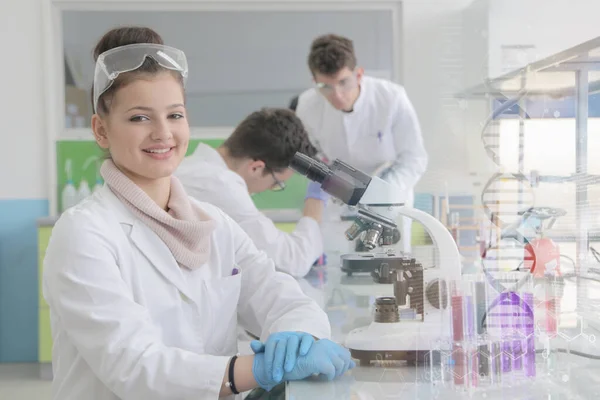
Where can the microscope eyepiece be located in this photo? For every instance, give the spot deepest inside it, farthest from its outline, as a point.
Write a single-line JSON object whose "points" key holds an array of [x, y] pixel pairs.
{"points": [[340, 180], [309, 167]]}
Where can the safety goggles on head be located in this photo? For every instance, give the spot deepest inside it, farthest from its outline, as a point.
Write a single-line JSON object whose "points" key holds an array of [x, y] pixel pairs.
{"points": [[343, 85], [128, 58]]}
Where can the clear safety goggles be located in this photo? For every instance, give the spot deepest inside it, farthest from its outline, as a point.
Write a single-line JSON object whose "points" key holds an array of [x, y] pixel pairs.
{"points": [[128, 58], [344, 85]]}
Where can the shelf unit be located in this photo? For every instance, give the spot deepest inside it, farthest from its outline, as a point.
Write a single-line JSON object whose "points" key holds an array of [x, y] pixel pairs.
{"points": [[574, 72]]}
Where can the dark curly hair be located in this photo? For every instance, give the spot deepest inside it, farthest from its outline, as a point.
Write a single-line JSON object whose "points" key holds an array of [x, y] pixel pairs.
{"points": [[272, 135], [331, 53]]}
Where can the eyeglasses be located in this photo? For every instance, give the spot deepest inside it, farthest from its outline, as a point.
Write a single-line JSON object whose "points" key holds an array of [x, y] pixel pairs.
{"points": [[343, 85], [279, 185]]}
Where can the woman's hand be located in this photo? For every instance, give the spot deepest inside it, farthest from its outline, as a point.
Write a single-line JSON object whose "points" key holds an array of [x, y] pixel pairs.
{"points": [[325, 358], [281, 351]]}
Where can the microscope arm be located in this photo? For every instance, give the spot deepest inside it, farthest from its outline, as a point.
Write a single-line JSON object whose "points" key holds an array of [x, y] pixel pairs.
{"points": [[449, 257], [387, 201], [380, 192]]}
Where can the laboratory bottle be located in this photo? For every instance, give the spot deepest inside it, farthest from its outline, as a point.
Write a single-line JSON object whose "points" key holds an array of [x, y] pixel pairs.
{"points": [[84, 190], [69, 195], [97, 186]]}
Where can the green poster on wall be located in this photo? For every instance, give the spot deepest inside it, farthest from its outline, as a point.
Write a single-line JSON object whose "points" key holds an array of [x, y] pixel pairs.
{"points": [[79, 161]]}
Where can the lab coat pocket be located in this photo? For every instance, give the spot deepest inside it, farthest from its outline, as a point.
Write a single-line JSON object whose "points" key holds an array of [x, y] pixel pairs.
{"points": [[381, 145], [221, 303], [377, 146]]}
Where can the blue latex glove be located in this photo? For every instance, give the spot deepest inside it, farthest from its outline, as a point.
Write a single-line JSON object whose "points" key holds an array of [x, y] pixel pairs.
{"points": [[283, 347], [261, 376], [314, 191], [325, 358]]}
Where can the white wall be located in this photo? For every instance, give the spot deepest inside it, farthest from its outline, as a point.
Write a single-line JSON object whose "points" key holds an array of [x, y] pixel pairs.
{"points": [[23, 162], [434, 72], [476, 35]]}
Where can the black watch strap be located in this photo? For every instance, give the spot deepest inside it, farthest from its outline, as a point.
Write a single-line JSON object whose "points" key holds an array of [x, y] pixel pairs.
{"points": [[231, 382]]}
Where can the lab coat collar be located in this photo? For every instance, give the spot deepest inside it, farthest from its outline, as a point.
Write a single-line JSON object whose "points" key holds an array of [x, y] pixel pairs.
{"points": [[210, 155], [358, 104], [207, 154], [151, 246], [118, 209]]}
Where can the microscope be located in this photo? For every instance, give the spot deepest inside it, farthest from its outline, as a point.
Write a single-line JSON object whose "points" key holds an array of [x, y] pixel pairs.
{"points": [[405, 325]]}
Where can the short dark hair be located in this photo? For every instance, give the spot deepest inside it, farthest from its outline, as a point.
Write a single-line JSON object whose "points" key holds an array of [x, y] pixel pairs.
{"points": [[121, 37], [331, 53], [272, 135]]}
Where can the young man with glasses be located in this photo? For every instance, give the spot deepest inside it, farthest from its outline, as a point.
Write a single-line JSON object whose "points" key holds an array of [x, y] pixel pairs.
{"points": [[255, 159], [366, 122]]}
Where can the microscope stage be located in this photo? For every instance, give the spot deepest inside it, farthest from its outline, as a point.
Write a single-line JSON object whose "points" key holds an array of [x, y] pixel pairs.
{"points": [[367, 262]]}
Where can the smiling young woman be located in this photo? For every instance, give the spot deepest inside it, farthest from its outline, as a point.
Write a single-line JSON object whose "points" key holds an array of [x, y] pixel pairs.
{"points": [[144, 284]]}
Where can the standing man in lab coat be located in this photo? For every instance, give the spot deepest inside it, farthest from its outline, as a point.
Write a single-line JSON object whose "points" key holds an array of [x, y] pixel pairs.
{"points": [[366, 122], [255, 159]]}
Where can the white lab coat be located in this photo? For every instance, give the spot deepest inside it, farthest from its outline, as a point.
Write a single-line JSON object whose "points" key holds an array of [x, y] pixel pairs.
{"points": [[207, 178], [381, 136], [129, 323]]}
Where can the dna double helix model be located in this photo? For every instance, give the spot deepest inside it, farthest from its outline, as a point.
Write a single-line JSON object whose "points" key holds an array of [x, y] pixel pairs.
{"points": [[507, 194]]}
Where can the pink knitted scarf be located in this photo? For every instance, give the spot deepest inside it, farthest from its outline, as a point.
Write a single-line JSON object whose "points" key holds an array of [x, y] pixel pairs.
{"points": [[185, 228]]}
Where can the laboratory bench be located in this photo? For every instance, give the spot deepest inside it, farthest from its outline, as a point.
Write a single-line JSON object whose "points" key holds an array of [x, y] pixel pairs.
{"points": [[403, 383], [347, 302]]}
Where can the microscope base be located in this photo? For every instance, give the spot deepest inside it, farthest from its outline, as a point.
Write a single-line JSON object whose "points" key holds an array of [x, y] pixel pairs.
{"points": [[407, 340], [366, 358]]}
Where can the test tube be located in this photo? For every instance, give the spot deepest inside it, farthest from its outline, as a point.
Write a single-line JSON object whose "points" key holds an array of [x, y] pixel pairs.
{"points": [[507, 310], [520, 317], [519, 332], [481, 306], [457, 335], [481, 303], [496, 363], [470, 334], [517, 353], [493, 336], [528, 324], [553, 310], [501, 316]]}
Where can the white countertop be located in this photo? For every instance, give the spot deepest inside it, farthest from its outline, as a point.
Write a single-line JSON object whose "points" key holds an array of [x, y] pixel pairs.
{"points": [[404, 383]]}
